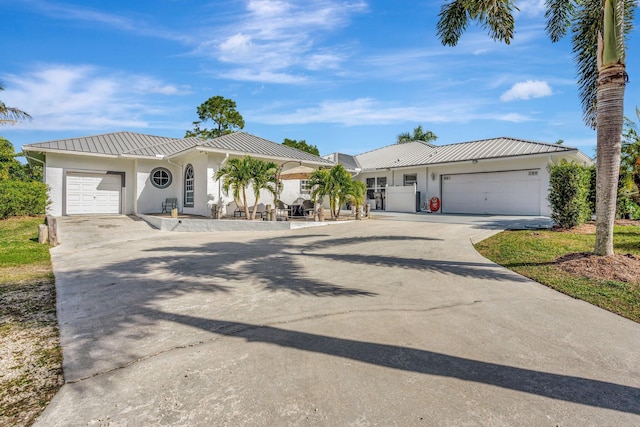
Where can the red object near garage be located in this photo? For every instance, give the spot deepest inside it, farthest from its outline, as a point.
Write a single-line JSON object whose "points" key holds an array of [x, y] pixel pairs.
{"points": [[434, 204]]}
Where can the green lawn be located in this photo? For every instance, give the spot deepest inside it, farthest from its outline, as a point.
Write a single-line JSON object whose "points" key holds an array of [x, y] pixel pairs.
{"points": [[31, 368], [531, 253]]}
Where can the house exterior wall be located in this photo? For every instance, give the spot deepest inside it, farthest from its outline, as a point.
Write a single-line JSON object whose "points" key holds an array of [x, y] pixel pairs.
{"points": [[58, 165], [150, 198], [429, 177]]}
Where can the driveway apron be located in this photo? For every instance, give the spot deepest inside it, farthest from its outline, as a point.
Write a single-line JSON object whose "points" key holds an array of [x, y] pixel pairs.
{"points": [[379, 322]]}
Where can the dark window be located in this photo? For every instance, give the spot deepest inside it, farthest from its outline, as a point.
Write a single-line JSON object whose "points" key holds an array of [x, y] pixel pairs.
{"points": [[188, 186], [160, 177], [410, 179]]}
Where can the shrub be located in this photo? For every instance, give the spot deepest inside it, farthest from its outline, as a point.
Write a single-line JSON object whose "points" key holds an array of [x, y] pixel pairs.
{"points": [[18, 198], [569, 188]]}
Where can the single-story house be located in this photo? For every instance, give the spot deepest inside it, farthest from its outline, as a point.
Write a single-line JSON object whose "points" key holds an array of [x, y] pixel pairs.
{"points": [[130, 173], [491, 176]]}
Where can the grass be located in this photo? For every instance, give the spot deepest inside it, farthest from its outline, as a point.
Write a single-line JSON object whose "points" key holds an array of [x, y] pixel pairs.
{"points": [[31, 368], [531, 253]]}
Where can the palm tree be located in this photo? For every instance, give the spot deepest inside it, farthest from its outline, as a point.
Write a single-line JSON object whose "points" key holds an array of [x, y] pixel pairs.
{"points": [[340, 183], [10, 115], [599, 32], [418, 135], [236, 176], [357, 193], [263, 177], [319, 182]]}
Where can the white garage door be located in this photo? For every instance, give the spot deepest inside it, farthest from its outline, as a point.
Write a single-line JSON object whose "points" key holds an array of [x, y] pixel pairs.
{"points": [[93, 194], [507, 193]]}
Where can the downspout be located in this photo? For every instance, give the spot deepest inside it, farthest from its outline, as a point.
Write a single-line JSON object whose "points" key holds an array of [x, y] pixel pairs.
{"points": [[135, 186]]}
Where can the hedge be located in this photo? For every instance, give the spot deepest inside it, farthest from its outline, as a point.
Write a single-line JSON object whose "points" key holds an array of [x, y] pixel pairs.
{"points": [[20, 198]]}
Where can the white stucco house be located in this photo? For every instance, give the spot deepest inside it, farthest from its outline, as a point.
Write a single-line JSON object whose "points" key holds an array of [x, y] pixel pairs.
{"points": [[131, 173], [493, 176]]}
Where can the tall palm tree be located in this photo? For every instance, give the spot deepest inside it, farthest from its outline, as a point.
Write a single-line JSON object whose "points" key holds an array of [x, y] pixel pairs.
{"points": [[10, 115], [263, 177], [236, 176], [418, 135], [599, 31]]}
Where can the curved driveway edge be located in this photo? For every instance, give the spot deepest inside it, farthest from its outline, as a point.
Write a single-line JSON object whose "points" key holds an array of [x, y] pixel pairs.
{"points": [[371, 323]]}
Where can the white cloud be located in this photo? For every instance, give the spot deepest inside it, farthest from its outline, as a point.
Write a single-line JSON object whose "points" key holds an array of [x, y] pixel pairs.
{"points": [[64, 97], [527, 90], [276, 37]]}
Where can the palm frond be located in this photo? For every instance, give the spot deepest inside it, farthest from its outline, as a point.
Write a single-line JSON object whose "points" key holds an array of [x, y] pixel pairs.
{"points": [[558, 16], [452, 22], [586, 26], [497, 17]]}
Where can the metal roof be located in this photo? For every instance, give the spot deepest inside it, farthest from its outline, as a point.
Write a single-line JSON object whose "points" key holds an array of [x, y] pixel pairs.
{"points": [[110, 144], [417, 154], [347, 160], [130, 144], [243, 142]]}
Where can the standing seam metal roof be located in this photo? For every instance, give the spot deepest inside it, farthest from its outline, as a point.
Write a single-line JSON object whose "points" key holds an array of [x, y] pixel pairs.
{"points": [[412, 154], [141, 145]]}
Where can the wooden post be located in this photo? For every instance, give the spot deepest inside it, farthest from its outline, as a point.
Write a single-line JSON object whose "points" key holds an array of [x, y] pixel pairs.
{"points": [[43, 234], [53, 230]]}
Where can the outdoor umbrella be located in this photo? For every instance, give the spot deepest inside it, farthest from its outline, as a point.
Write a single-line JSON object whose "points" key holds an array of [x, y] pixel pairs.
{"points": [[299, 172]]}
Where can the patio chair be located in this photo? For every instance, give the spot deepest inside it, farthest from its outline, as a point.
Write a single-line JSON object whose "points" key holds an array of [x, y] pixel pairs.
{"points": [[169, 204], [282, 209], [308, 207], [261, 211], [234, 210]]}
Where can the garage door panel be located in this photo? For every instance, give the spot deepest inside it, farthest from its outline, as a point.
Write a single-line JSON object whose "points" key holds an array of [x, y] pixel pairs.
{"points": [[512, 192], [93, 194]]}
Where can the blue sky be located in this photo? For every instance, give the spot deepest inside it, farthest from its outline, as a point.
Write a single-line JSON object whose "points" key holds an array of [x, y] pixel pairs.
{"points": [[346, 76]]}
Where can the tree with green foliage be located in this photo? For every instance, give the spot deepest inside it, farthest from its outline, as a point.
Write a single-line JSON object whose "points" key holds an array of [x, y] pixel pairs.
{"points": [[302, 146], [418, 135], [236, 176], [240, 173], [11, 115], [319, 183], [222, 112], [340, 185], [263, 177], [600, 29], [357, 193], [21, 189], [11, 168]]}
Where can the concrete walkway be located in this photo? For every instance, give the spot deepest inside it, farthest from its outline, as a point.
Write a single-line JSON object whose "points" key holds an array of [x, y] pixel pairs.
{"points": [[379, 322]]}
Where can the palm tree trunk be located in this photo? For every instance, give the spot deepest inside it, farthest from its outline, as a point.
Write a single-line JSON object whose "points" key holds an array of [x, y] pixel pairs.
{"points": [[244, 202], [610, 116]]}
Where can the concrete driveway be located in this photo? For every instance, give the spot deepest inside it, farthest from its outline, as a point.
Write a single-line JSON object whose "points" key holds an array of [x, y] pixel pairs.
{"points": [[380, 322]]}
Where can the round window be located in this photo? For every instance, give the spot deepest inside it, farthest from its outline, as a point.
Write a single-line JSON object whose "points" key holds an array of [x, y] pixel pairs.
{"points": [[160, 177]]}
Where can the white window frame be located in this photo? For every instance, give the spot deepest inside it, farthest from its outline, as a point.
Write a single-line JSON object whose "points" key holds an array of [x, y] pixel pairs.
{"points": [[189, 186]]}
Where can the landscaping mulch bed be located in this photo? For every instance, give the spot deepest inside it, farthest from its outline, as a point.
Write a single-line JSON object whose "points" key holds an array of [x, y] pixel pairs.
{"points": [[620, 267]]}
